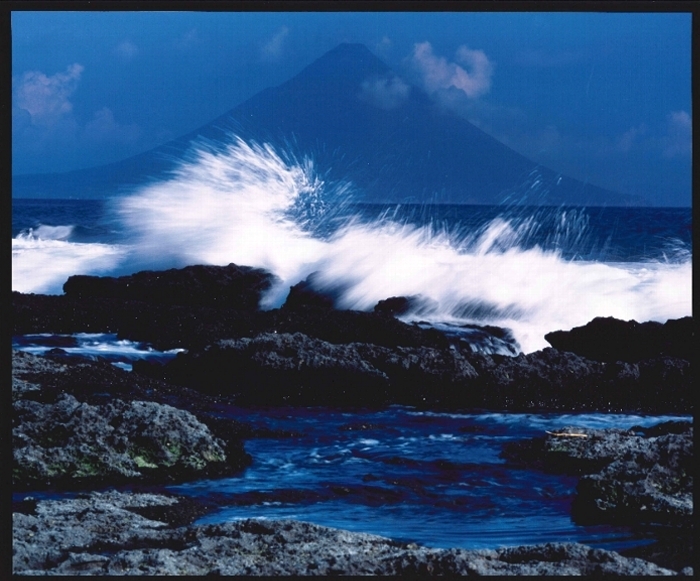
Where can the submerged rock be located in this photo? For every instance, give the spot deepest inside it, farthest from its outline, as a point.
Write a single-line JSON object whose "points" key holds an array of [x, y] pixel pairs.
{"points": [[135, 534]]}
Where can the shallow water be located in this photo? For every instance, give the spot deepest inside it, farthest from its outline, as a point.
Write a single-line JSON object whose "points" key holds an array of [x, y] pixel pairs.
{"points": [[431, 478], [434, 478]]}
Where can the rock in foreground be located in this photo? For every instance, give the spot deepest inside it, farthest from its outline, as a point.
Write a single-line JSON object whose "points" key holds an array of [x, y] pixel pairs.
{"points": [[60, 440], [128, 534], [638, 477], [627, 476]]}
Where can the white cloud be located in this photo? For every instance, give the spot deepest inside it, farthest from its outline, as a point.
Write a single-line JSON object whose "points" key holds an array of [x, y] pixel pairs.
{"points": [[127, 49], [43, 121], [437, 73], [678, 139], [630, 138], [272, 49], [384, 45], [384, 92], [45, 98]]}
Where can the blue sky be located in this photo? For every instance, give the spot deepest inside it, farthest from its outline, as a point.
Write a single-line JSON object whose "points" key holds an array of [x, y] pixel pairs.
{"points": [[602, 97]]}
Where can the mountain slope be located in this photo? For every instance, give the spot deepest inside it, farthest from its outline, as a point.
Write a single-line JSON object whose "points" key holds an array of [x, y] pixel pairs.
{"points": [[360, 123]]}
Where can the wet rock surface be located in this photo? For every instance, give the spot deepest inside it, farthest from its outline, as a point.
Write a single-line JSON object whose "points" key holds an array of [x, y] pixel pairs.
{"points": [[294, 368], [608, 365], [140, 534], [72, 443], [627, 476], [297, 369]]}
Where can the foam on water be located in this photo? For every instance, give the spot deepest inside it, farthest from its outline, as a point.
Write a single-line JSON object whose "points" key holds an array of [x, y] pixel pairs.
{"points": [[42, 260], [252, 205]]}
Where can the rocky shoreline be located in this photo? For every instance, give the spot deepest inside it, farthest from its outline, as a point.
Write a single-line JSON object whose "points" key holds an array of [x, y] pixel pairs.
{"points": [[87, 425], [131, 534]]}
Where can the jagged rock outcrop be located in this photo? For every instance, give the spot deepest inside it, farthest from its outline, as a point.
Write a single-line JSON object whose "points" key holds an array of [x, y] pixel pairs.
{"points": [[611, 340]]}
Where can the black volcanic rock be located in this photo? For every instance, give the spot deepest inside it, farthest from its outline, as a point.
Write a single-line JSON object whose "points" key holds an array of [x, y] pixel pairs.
{"points": [[406, 150], [240, 287], [395, 306], [327, 354], [294, 369], [304, 294], [611, 340]]}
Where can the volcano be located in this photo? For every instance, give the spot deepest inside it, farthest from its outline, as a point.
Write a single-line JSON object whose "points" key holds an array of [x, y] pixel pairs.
{"points": [[360, 123]]}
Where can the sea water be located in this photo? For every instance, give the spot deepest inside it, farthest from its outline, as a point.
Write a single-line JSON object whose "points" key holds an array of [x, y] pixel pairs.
{"points": [[427, 477]]}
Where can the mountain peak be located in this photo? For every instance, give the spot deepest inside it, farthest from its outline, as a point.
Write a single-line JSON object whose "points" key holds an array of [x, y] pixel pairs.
{"points": [[362, 125], [346, 63]]}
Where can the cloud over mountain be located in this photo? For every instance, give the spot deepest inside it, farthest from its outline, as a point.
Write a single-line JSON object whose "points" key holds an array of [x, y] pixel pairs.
{"points": [[437, 73], [387, 92]]}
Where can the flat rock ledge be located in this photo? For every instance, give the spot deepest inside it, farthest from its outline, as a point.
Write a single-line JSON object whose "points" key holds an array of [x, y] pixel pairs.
{"points": [[113, 533]]}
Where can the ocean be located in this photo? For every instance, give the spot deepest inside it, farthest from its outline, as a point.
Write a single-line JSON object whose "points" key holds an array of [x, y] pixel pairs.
{"points": [[432, 478]]}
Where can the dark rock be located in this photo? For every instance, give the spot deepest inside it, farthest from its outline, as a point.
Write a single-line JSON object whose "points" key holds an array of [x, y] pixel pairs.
{"points": [[556, 380], [627, 477], [70, 537], [673, 549], [296, 369], [74, 444], [168, 326], [652, 483], [305, 294], [418, 366], [80, 424], [240, 287], [610, 340], [282, 369], [346, 326], [397, 306]]}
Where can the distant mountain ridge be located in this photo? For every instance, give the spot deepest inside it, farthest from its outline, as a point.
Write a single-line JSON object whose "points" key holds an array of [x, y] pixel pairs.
{"points": [[361, 123]]}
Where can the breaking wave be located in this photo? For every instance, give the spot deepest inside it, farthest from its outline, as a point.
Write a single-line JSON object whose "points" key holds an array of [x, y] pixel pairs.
{"points": [[249, 204]]}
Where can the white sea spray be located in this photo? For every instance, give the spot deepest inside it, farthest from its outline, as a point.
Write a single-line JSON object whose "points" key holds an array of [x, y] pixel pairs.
{"points": [[250, 204]]}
